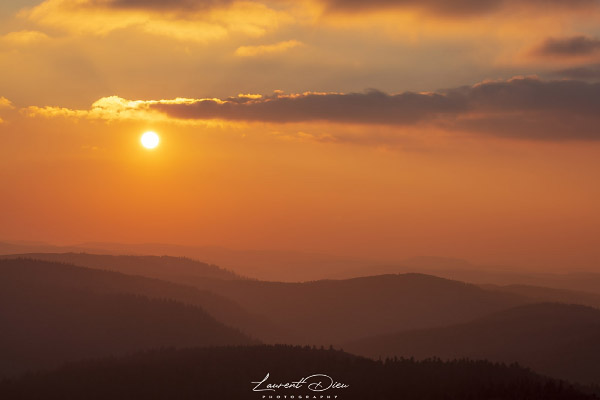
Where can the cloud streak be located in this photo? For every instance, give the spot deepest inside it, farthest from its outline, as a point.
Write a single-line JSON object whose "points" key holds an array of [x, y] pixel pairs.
{"points": [[23, 37], [101, 17], [451, 8], [457, 7], [522, 107], [568, 47], [372, 107], [161, 5], [444, 8], [5, 103], [254, 51]]}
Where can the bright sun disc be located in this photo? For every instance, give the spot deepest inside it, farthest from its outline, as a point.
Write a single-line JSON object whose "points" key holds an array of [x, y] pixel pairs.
{"points": [[150, 140]]}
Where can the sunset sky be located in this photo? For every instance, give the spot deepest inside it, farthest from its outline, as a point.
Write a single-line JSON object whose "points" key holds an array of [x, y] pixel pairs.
{"points": [[381, 129]]}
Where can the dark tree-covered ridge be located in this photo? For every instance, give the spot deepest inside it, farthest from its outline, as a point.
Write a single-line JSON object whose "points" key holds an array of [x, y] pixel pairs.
{"points": [[559, 340], [228, 373]]}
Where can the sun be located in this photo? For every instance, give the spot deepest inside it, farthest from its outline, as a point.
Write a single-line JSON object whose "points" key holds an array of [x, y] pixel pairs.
{"points": [[150, 140]]}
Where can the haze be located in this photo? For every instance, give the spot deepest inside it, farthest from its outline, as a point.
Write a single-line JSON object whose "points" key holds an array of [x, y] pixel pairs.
{"points": [[381, 131]]}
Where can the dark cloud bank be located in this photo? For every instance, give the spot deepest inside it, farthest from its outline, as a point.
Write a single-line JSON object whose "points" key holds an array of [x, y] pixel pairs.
{"points": [[165, 5], [582, 72], [457, 7], [521, 107], [569, 47], [447, 7]]}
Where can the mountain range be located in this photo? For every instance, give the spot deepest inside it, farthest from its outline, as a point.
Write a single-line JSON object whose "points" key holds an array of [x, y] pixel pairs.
{"points": [[86, 305]]}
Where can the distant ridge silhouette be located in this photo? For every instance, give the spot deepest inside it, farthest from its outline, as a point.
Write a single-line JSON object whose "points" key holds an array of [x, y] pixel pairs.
{"points": [[174, 269]]}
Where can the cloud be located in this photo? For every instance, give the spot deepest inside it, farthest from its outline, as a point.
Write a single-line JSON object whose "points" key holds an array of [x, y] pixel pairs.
{"points": [[23, 37], [575, 46], [101, 17], [457, 7], [372, 107], [161, 5], [254, 51], [5, 103], [112, 108], [583, 72], [508, 99], [522, 107], [530, 94]]}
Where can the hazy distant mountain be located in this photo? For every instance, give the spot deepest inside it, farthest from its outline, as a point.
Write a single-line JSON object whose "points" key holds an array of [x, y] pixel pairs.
{"points": [[173, 269], [325, 312], [51, 274], [441, 263], [32, 247], [228, 373], [464, 271], [337, 311], [426, 265], [46, 322], [539, 294], [290, 266], [555, 339], [269, 265], [582, 281], [575, 281], [287, 266]]}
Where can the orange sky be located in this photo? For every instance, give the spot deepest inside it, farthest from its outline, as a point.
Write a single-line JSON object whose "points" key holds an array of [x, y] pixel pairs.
{"points": [[480, 140]]}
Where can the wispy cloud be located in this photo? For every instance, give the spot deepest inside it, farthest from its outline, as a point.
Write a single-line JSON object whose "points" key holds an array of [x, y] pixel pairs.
{"points": [[5, 103], [254, 51], [98, 17], [112, 108], [23, 37], [456, 7]]}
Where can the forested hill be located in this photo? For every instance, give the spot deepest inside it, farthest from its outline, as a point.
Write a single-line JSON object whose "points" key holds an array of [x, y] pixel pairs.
{"points": [[234, 372], [558, 340]]}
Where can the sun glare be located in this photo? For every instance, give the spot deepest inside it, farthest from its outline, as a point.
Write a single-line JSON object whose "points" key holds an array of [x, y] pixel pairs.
{"points": [[150, 140]]}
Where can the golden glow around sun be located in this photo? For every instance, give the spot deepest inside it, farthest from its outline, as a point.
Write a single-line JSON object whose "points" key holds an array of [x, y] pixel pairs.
{"points": [[150, 140]]}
